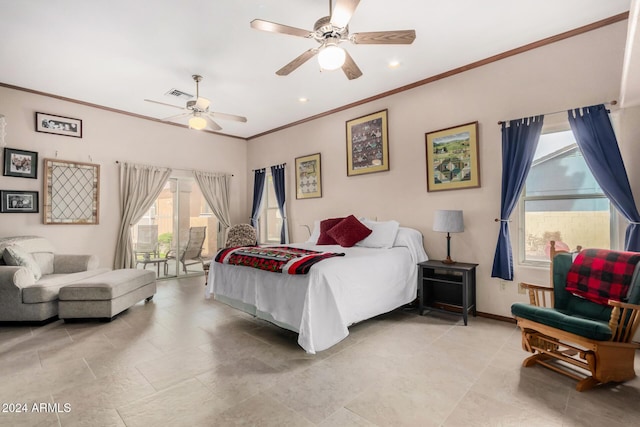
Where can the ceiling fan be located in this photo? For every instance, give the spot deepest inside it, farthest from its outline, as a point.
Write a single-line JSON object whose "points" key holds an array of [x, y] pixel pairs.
{"points": [[330, 31], [198, 110]]}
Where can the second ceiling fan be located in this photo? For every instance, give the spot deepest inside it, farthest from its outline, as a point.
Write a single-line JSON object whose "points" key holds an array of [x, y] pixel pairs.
{"points": [[200, 117], [330, 31]]}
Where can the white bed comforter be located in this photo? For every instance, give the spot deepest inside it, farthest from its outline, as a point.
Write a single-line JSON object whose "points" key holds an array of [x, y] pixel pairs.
{"points": [[336, 292]]}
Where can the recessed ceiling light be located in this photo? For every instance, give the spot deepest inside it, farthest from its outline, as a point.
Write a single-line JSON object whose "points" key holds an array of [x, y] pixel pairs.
{"points": [[394, 64], [303, 99]]}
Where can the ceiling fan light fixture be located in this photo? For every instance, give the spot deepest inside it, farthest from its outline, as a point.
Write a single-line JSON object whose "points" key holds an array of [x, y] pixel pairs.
{"points": [[197, 123], [202, 104], [331, 57]]}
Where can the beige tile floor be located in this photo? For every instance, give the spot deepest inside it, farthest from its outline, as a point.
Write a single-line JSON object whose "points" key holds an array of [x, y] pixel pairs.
{"points": [[182, 360]]}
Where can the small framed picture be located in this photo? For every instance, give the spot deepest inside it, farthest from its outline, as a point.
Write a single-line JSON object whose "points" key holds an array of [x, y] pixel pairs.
{"points": [[452, 158], [308, 177], [20, 163], [58, 125], [18, 201], [368, 144]]}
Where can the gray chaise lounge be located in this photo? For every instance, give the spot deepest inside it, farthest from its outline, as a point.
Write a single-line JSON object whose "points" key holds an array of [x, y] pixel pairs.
{"points": [[29, 289]]}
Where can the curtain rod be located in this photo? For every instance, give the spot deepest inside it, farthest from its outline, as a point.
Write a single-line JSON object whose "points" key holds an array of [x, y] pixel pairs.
{"points": [[178, 169], [281, 164], [614, 102]]}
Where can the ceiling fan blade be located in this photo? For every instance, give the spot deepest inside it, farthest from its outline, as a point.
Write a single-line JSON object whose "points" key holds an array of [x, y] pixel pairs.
{"points": [[384, 37], [262, 25], [342, 12], [163, 103], [291, 66], [177, 116], [350, 68], [225, 116], [213, 125]]}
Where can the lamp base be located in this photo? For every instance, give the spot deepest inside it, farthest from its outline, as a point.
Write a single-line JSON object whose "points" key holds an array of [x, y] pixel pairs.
{"points": [[448, 260]]}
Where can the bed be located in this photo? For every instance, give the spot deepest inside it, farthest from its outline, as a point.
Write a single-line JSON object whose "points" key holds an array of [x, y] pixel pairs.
{"points": [[334, 294]]}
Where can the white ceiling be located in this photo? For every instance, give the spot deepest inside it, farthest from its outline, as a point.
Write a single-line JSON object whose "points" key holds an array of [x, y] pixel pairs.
{"points": [[116, 53]]}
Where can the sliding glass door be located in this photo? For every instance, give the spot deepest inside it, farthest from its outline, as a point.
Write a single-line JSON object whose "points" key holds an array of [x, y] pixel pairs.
{"points": [[178, 232]]}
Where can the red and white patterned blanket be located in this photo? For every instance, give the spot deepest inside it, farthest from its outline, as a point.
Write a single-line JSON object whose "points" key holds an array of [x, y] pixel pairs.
{"points": [[278, 259]]}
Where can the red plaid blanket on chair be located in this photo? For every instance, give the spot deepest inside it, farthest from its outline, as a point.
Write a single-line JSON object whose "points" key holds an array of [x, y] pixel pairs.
{"points": [[278, 259], [600, 275]]}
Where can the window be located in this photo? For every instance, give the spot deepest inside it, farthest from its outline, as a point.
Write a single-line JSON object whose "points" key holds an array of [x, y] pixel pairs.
{"points": [[270, 218], [205, 210], [562, 201]]}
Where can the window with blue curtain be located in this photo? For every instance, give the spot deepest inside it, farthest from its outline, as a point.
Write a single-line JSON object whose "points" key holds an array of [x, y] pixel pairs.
{"points": [[561, 201], [270, 217]]}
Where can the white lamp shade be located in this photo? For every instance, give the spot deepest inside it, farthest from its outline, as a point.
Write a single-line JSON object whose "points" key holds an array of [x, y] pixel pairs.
{"points": [[331, 57], [197, 123], [446, 221]]}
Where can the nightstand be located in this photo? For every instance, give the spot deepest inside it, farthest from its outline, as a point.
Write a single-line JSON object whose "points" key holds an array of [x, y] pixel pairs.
{"points": [[447, 287]]}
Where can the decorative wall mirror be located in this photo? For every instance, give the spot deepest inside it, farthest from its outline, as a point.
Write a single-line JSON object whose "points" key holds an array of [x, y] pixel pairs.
{"points": [[71, 192]]}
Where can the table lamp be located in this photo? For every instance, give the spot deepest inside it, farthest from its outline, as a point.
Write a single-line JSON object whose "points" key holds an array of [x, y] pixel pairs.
{"points": [[448, 221]]}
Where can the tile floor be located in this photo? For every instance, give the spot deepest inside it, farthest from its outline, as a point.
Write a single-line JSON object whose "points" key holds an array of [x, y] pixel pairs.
{"points": [[182, 360]]}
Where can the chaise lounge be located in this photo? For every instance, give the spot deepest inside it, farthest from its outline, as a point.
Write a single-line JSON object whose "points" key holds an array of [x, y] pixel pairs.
{"points": [[32, 277]]}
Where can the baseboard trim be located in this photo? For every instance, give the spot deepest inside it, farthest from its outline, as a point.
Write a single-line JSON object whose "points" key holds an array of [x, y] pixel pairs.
{"points": [[496, 317]]}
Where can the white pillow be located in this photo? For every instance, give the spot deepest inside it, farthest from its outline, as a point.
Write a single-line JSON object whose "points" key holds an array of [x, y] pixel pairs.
{"points": [[412, 239], [16, 256], [383, 234], [315, 233]]}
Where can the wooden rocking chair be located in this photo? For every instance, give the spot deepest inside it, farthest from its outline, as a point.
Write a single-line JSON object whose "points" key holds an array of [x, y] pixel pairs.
{"points": [[565, 331]]}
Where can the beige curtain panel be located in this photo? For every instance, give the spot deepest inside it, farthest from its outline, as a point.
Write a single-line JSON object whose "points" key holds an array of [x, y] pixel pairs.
{"points": [[215, 188], [140, 186]]}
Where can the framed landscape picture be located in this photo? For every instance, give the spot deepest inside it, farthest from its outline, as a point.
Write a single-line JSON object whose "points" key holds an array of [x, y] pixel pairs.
{"points": [[308, 177], [368, 144], [18, 201], [58, 125], [452, 158], [20, 163]]}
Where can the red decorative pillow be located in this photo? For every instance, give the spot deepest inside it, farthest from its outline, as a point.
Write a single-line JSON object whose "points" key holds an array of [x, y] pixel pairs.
{"points": [[325, 226], [349, 231]]}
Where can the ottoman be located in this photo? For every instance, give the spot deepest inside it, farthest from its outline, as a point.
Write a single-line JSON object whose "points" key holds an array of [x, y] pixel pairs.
{"points": [[105, 295]]}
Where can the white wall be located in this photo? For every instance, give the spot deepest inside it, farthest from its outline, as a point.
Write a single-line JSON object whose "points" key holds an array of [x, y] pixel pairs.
{"points": [[580, 71], [107, 137]]}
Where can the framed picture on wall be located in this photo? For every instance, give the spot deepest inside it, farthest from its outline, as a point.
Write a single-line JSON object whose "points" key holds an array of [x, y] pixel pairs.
{"points": [[20, 163], [308, 177], [16, 201], [71, 192], [58, 125], [368, 144], [452, 158]]}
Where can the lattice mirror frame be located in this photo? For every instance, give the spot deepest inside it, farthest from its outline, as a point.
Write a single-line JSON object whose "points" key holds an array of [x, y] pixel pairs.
{"points": [[71, 192]]}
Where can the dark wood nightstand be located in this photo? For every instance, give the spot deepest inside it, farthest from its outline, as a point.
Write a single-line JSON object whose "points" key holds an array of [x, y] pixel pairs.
{"points": [[447, 287]]}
